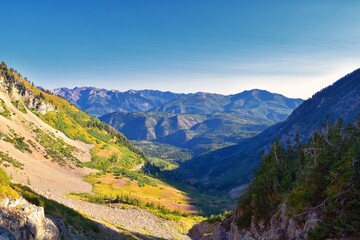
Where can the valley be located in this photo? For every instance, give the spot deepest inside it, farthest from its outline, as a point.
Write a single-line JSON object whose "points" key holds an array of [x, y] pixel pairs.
{"points": [[194, 123], [62, 158], [180, 120], [53, 156]]}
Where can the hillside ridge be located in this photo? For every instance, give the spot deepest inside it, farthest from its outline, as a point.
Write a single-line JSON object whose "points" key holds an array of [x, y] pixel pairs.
{"points": [[239, 162], [99, 101], [202, 122], [50, 145]]}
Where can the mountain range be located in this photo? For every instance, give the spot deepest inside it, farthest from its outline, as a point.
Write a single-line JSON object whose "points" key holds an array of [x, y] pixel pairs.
{"points": [[235, 165], [198, 122], [306, 186], [97, 101]]}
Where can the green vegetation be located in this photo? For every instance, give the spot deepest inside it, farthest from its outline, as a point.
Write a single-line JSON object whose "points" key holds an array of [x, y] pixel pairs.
{"points": [[185, 135], [159, 198], [5, 188], [73, 220], [4, 111], [110, 157], [75, 124], [128, 199], [55, 209], [165, 213], [56, 148], [4, 179], [141, 179], [219, 217], [76, 224], [112, 150], [17, 141], [165, 152], [162, 164], [112, 154], [80, 126], [19, 105], [322, 175], [207, 203], [5, 159]]}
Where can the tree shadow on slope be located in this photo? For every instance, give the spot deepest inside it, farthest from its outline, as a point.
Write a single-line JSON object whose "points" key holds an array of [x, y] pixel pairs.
{"points": [[207, 201], [77, 226]]}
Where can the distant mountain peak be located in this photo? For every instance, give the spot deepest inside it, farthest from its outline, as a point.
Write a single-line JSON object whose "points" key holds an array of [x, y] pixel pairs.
{"points": [[235, 165], [99, 101], [132, 91]]}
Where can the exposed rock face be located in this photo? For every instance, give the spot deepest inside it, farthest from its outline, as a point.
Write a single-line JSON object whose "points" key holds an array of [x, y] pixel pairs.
{"points": [[17, 91], [42, 107], [280, 227], [21, 220], [201, 230]]}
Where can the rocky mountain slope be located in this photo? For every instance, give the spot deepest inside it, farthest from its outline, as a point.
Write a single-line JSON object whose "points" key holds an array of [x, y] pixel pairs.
{"points": [[235, 165], [203, 121], [21, 220], [97, 102], [197, 133], [50, 145], [249, 104]]}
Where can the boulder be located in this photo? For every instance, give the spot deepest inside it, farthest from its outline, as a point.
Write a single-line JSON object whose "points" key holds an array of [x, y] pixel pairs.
{"points": [[21, 220]]}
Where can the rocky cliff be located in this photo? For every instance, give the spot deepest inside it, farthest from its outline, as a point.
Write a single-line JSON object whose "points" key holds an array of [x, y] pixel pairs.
{"points": [[21, 220], [281, 227], [21, 95]]}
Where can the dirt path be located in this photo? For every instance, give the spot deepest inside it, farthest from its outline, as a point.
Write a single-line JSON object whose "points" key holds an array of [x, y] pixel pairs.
{"points": [[133, 220]]}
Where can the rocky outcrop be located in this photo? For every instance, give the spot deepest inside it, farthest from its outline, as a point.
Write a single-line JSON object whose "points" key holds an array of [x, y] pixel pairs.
{"points": [[280, 227], [202, 230], [18, 91], [21, 220], [41, 106]]}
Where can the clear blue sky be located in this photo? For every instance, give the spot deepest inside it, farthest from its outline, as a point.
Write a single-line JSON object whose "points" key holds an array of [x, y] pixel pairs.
{"points": [[291, 47]]}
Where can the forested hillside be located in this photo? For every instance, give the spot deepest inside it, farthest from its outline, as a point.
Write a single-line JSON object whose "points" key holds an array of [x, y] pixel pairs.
{"points": [[235, 165], [320, 177], [309, 190]]}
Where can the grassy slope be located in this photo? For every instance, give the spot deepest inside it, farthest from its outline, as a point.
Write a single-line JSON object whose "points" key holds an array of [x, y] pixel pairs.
{"points": [[78, 125], [72, 122], [76, 223], [156, 191], [5, 189], [112, 153]]}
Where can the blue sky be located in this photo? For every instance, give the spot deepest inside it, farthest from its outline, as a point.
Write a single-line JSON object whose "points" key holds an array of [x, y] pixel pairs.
{"points": [[290, 47]]}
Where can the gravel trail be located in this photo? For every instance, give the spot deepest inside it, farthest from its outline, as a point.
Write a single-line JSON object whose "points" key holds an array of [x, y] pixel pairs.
{"points": [[133, 220]]}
